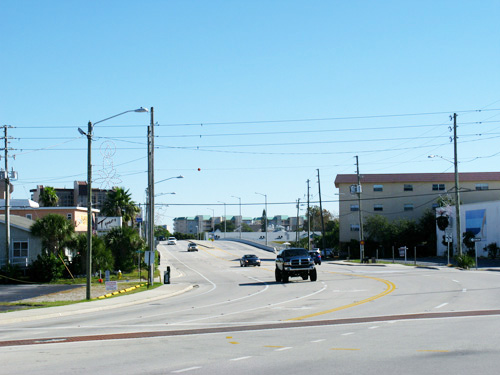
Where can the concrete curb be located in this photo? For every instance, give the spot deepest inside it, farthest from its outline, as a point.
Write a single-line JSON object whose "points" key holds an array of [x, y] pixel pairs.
{"points": [[86, 307]]}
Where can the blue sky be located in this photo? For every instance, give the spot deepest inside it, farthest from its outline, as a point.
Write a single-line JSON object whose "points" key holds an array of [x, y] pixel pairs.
{"points": [[257, 94]]}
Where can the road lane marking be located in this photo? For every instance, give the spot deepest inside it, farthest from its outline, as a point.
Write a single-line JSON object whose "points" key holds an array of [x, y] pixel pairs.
{"points": [[351, 349], [464, 290], [390, 288], [272, 346], [456, 281], [285, 348], [374, 327], [348, 334], [234, 342], [186, 369], [321, 340], [441, 305], [241, 358]]}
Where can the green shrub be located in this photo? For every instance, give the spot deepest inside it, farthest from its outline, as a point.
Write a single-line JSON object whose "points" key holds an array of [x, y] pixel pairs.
{"points": [[465, 261], [45, 268], [10, 274], [492, 250]]}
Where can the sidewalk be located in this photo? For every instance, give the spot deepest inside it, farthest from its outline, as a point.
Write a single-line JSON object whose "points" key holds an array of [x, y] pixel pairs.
{"points": [[164, 291]]}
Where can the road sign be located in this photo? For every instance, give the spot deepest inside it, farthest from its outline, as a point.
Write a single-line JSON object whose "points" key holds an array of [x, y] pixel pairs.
{"points": [[138, 219]]}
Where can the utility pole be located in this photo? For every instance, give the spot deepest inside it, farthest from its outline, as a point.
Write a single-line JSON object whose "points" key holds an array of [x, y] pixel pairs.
{"points": [[308, 220], [321, 212], [298, 220], [151, 197], [457, 188], [361, 237], [7, 199]]}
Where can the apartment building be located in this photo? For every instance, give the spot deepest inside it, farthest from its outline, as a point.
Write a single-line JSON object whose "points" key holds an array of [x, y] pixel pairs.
{"points": [[406, 195], [75, 197]]}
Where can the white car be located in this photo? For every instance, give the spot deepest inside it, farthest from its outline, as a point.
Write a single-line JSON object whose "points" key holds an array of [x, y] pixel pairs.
{"points": [[172, 241]]}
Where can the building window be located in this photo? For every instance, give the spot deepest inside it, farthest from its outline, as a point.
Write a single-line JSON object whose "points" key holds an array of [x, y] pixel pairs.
{"points": [[20, 249], [408, 187], [378, 207], [69, 217], [29, 216], [378, 187], [354, 227], [438, 187], [481, 186], [354, 207], [408, 207]]}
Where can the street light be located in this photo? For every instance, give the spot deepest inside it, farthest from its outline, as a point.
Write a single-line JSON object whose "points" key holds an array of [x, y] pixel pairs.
{"points": [[241, 217], [225, 217], [170, 178], [265, 196], [457, 201], [88, 134]]}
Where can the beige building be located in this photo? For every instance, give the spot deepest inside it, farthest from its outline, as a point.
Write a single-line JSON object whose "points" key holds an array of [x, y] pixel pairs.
{"points": [[406, 195]]}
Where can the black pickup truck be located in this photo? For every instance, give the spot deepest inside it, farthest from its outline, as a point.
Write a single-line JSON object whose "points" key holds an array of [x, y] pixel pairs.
{"points": [[294, 262]]}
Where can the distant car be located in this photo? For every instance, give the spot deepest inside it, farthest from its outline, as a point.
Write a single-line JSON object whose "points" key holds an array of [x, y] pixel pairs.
{"points": [[192, 247], [316, 256], [172, 241], [249, 260]]}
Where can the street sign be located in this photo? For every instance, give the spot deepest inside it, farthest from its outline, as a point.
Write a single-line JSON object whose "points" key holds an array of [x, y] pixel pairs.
{"points": [[138, 219], [476, 239]]}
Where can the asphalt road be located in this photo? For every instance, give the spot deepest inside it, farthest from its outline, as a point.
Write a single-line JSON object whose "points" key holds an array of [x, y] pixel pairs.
{"points": [[354, 319]]}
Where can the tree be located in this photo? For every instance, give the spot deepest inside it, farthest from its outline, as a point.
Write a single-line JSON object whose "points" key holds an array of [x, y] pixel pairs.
{"points": [[48, 197], [55, 232], [102, 257], [263, 221], [161, 232], [230, 227], [119, 203], [332, 232], [314, 213], [246, 228], [124, 243]]}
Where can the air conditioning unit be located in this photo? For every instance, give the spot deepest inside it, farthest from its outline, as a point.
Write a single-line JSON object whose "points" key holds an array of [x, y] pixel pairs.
{"points": [[355, 189]]}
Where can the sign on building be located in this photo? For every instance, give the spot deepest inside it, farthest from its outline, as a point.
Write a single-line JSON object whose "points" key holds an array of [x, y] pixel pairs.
{"points": [[108, 223]]}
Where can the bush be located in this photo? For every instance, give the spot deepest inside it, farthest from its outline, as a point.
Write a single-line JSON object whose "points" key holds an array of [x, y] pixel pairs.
{"points": [[45, 268], [10, 274], [465, 261], [492, 250]]}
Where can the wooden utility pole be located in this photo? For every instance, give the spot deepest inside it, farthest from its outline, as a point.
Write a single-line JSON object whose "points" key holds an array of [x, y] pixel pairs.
{"points": [[321, 212]]}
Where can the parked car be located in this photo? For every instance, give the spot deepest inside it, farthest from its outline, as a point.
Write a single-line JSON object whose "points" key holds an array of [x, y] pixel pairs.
{"points": [[192, 247], [249, 260], [172, 241], [316, 256]]}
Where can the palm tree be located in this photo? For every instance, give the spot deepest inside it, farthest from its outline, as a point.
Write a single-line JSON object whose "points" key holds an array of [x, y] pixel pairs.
{"points": [[55, 231], [48, 197], [119, 203]]}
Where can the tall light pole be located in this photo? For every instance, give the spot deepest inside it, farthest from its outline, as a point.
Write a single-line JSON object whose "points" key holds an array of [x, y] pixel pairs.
{"points": [[88, 134], [241, 217], [225, 217], [265, 197]]}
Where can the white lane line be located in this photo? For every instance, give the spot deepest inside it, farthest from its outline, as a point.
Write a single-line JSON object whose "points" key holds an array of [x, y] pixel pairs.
{"points": [[464, 290], [186, 369], [374, 327], [456, 281], [240, 358], [441, 305], [321, 340], [285, 348], [348, 333]]}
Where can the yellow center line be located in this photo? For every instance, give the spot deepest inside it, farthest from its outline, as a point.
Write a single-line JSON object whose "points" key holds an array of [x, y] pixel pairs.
{"points": [[390, 288], [343, 349]]}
